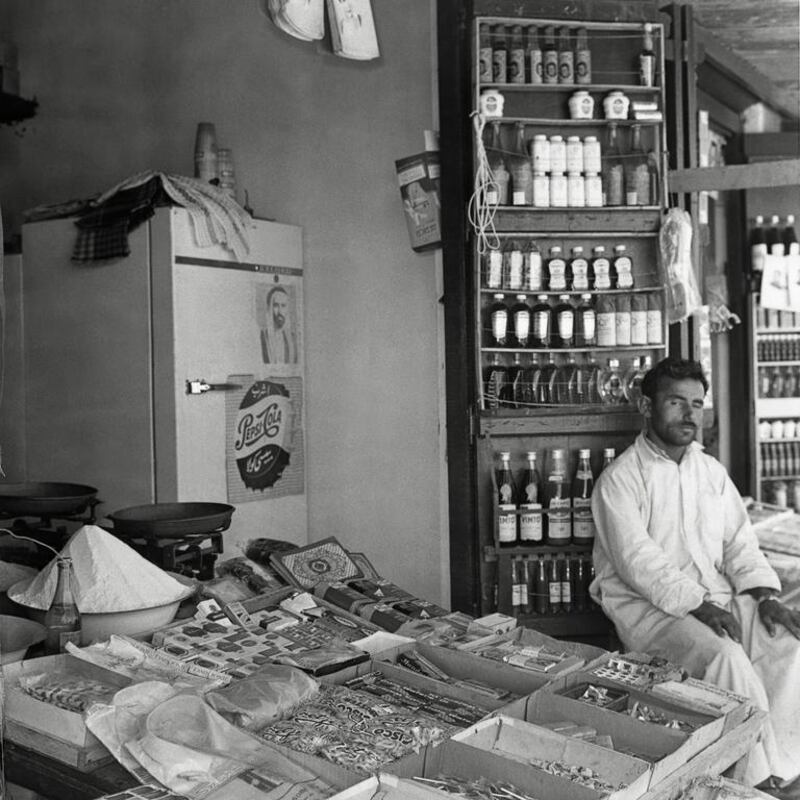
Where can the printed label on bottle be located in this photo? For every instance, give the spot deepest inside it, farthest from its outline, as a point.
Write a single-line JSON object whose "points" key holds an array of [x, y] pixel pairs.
{"points": [[499, 63], [602, 273], [580, 274], [566, 324], [519, 198], [516, 67], [622, 332], [494, 272], [606, 329], [536, 66], [555, 592], [638, 327], [559, 504], [506, 524], [589, 321], [499, 324], [582, 59], [522, 325], [530, 523], [559, 527], [485, 61], [541, 325], [551, 67], [566, 592], [624, 272], [516, 594], [583, 525], [515, 262], [655, 326], [533, 272], [565, 67], [558, 274]]}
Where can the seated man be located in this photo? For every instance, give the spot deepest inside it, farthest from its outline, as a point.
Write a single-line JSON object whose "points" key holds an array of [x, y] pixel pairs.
{"points": [[680, 573]]}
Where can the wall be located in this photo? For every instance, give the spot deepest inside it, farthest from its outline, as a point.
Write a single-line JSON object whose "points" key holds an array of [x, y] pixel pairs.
{"points": [[121, 87]]}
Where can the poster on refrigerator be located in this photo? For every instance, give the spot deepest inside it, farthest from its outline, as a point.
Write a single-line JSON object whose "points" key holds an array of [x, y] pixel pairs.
{"points": [[278, 324], [264, 438]]}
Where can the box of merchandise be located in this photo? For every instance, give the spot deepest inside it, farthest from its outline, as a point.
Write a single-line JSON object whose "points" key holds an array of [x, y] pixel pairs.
{"points": [[50, 729], [641, 709], [612, 774]]}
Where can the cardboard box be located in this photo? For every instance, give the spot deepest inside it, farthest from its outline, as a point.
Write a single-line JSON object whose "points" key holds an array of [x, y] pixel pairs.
{"points": [[522, 741], [46, 728], [418, 176], [387, 787]]}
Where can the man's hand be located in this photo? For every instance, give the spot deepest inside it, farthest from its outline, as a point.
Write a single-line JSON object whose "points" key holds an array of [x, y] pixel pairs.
{"points": [[719, 620], [772, 613]]}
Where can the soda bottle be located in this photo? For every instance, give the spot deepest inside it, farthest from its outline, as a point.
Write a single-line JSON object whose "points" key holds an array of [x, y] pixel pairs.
{"points": [[758, 250], [610, 386], [534, 56], [566, 58], [498, 321], [564, 331], [514, 262], [484, 54], [639, 319], [622, 320], [583, 530], [790, 244], [521, 321], [550, 56], [527, 592], [530, 505], [579, 271], [557, 270], [495, 379], [541, 322], [62, 621], [601, 268], [585, 323], [622, 268], [609, 454], [606, 321], [499, 54], [506, 507], [583, 58], [579, 593], [516, 56], [566, 585], [542, 595], [775, 237], [559, 527], [554, 586], [508, 395]]}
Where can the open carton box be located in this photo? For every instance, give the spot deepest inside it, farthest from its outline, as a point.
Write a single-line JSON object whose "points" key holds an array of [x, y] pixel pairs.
{"points": [[46, 728], [388, 787], [522, 741]]}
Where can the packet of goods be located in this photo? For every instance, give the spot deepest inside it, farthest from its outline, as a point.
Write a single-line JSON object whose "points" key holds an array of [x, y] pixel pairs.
{"points": [[108, 576], [67, 690]]}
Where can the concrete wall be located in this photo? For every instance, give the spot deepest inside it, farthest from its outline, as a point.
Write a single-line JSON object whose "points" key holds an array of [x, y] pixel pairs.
{"points": [[121, 86]]}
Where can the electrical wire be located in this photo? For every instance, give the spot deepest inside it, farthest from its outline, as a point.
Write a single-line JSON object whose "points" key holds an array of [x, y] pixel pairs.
{"points": [[485, 195]]}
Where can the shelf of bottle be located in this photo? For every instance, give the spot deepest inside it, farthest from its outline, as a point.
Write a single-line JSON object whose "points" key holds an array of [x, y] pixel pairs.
{"points": [[552, 122], [632, 348], [573, 292], [561, 420], [599, 221], [792, 363], [570, 87], [543, 549], [773, 331], [779, 441], [792, 477]]}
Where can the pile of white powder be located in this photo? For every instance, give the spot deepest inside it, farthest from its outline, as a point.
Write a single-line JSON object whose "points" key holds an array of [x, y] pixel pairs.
{"points": [[108, 575]]}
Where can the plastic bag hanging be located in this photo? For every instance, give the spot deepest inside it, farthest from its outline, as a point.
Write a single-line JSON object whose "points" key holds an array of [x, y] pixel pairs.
{"points": [[353, 29], [675, 240], [303, 19]]}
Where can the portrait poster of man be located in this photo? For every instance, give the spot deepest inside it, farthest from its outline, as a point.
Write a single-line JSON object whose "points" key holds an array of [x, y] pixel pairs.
{"points": [[278, 319]]}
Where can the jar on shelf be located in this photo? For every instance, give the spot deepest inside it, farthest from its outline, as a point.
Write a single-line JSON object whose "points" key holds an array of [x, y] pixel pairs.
{"points": [[540, 153], [541, 190], [591, 155], [615, 105], [576, 193], [593, 190], [581, 105], [558, 154], [574, 154], [558, 190]]}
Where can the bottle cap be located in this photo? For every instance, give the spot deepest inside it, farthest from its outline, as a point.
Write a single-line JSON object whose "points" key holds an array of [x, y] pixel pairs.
{"points": [[775, 219], [556, 138], [584, 453], [609, 452], [573, 138], [790, 219], [619, 248], [577, 249], [586, 296], [531, 455], [555, 249], [499, 296], [759, 219], [505, 456], [521, 297], [542, 297], [564, 298], [613, 363]]}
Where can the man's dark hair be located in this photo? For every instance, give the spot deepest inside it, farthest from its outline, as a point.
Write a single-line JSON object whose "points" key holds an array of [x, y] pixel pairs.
{"points": [[672, 368]]}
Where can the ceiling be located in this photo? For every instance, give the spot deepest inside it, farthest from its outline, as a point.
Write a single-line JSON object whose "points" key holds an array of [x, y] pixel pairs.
{"points": [[766, 33]]}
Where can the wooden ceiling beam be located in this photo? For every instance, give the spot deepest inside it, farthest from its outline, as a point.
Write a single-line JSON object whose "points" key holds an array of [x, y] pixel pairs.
{"points": [[765, 174]]}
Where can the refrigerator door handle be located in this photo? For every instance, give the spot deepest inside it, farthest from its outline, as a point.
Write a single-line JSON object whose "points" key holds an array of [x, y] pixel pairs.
{"points": [[199, 386]]}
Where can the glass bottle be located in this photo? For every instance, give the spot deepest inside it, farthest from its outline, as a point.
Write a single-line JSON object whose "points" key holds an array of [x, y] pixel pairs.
{"points": [[647, 58], [516, 56], [564, 330], [514, 262], [583, 58], [637, 171], [579, 271], [532, 270], [655, 318], [606, 321], [559, 521], [542, 595], [529, 383], [790, 244], [611, 390], [585, 323], [521, 321], [613, 174], [567, 603], [550, 56], [484, 54], [62, 621], [495, 379], [601, 268], [566, 58], [632, 383], [591, 392], [517, 577], [554, 586], [758, 250], [546, 392], [622, 320], [775, 237], [521, 173], [509, 392], [578, 591], [566, 383], [639, 319], [556, 270], [609, 454], [622, 268], [530, 505], [498, 321], [497, 193], [541, 322], [534, 56], [499, 54], [583, 529], [493, 273], [506, 506]]}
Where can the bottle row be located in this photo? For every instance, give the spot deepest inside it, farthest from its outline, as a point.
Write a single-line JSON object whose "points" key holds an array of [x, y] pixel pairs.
{"points": [[784, 494], [621, 320], [779, 381], [778, 347], [520, 267], [549, 173], [774, 239], [779, 459], [778, 429], [554, 511], [511, 54], [569, 383], [556, 585], [774, 320]]}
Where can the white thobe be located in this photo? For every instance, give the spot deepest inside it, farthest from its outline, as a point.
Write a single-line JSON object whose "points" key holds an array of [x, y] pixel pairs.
{"points": [[669, 536]]}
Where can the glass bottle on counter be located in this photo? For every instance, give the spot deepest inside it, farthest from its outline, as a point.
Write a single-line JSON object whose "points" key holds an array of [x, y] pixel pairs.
{"points": [[564, 329], [541, 322], [601, 268], [557, 270], [499, 54], [484, 54], [613, 174], [62, 621], [495, 381], [550, 56], [585, 323], [579, 271], [610, 384], [583, 58], [516, 56], [566, 57], [506, 505], [530, 505], [559, 521], [521, 321], [534, 55]]}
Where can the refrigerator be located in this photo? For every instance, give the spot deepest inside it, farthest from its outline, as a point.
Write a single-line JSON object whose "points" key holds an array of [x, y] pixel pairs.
{"points": [[147, 376]]}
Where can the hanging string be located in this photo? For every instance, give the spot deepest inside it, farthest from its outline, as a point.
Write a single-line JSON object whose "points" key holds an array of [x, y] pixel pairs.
{"points": [[480, 212]]}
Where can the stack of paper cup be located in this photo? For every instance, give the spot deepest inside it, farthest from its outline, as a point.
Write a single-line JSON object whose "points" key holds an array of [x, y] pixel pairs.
{"points": [[205, 152]]}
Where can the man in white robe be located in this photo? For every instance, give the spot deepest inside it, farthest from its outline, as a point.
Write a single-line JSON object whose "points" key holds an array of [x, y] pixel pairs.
{"points": [[680, 573]]}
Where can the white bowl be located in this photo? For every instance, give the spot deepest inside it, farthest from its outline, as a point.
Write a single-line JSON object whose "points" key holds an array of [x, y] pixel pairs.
{"points": [[17, 634]]}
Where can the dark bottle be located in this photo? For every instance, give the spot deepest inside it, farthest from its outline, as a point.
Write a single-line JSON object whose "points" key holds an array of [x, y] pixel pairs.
{"points": [[495, 379], [506, 505], [556, 270], [509, 390], [613, 175], [517, 602], [579, 588], [585, 323], [546, 389], [609, 454], [563, 334], [528, 385], [583, 58], [484, 54], [516, 56], [622, 268], [521, 321], [542, 596], [791, 247], [550, 56], [62, 621], [541, 318], [528, 574], [601, 268], [554, 586], [530, 505], [578, 270], [583, 529], [566, 383], [499, 54], [775, 236], [497, 193], [498, 322], [758, 250], [566, 586], [566, 58], [533, 53], [647, 58], [559, 523]]}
